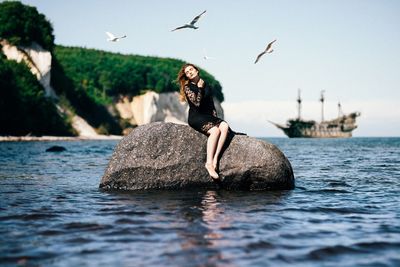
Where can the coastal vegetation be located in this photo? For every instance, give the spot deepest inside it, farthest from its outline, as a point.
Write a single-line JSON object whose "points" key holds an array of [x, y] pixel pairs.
{"points": [[21, 25], [24, 109]]}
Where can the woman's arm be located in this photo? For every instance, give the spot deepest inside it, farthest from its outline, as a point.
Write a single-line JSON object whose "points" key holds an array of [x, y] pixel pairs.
{"points": [[208, 93], [194, 97]]}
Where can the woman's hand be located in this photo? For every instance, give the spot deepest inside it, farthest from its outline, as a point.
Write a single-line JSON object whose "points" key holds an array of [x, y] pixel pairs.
{"points": [[200, 83]]}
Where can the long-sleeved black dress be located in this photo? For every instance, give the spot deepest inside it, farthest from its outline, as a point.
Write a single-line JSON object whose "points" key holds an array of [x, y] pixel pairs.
{"points": [[202, 113]]}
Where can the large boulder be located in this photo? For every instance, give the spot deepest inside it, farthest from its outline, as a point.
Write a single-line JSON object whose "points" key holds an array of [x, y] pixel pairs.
{"points": [[172, 156]]}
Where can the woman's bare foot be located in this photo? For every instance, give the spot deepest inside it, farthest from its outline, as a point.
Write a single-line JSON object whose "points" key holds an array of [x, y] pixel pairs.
{"points": [[211, 171], [215, 164]]}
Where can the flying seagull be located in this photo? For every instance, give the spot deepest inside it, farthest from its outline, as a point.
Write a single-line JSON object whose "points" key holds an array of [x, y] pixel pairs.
{"points": [[113, 38], [267, 50], [191, 24], [205, 55]]}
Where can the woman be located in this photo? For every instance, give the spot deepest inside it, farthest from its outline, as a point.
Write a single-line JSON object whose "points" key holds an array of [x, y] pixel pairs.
{"points": [[202, 114]]}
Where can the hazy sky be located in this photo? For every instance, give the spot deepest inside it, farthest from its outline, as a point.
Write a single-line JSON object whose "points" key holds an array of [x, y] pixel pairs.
{"points": [[349, 48]]}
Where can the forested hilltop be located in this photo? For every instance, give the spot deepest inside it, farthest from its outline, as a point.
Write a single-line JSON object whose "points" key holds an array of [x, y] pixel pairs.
{"points": [[88, 82], [105, 75]]}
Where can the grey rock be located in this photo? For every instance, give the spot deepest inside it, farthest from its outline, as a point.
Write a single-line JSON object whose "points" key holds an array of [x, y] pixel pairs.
{"points": [[56, 149], [172, 156]]}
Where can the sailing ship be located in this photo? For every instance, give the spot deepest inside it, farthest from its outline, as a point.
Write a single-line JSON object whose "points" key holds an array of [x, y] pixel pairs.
{"points": [[340, 127]]}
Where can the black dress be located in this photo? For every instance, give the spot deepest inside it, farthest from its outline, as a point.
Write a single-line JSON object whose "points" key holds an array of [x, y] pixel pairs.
{"points": [[202, 113]]}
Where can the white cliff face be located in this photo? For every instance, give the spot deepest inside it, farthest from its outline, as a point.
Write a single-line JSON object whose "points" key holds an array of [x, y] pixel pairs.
{"points": [[151, 107], [83, 128], [124, 109], [36, 58]]}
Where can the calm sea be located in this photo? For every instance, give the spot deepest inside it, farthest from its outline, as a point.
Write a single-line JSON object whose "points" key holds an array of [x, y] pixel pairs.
{"points": [[345, 211]]}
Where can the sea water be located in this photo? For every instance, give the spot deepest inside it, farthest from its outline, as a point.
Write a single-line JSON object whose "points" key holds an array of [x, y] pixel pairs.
{"points": [[344, 211]]}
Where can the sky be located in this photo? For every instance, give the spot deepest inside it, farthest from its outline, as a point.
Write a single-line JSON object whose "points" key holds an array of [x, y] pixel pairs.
{"points": [[348, 48]]}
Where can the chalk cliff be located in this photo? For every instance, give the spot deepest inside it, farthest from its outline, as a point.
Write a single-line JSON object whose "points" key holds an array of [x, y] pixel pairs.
{"points": [[36, 58]]}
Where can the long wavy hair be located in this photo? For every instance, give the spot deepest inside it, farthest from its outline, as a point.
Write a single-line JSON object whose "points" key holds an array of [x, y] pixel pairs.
{"points": [[182, 80]]}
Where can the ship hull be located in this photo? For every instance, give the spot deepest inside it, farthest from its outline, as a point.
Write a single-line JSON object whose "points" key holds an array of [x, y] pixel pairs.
{"points": [[311, 133]]}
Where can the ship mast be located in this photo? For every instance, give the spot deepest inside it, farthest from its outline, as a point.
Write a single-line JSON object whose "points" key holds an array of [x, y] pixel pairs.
{"points": [[299, 104], [322, 105], [340, 112]]}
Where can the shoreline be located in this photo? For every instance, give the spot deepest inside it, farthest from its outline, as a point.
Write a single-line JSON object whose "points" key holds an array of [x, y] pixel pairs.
{"points": [[58, 138]]}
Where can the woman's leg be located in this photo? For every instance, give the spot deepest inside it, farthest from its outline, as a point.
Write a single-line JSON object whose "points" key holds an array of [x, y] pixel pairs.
{"points": [[212, 142], [224, 128]]}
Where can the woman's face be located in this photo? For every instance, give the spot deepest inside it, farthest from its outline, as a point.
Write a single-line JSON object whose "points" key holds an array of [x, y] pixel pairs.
{"points": [[191, 72]]}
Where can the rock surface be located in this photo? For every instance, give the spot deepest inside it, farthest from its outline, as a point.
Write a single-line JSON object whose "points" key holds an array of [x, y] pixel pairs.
{"points": [[172, 156], [56, 149]]}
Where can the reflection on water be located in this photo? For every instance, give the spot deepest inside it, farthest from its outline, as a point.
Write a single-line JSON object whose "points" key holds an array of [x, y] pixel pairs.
{"points": [[201, 232], [215, 227], [213, 216]]}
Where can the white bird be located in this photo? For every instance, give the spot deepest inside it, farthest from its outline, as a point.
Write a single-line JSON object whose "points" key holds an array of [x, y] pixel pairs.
{"points": [[205, 55], [191, 24], [267, 50], [113, 38]]}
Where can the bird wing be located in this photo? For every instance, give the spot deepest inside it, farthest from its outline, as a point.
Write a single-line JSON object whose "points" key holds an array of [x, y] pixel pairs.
{"points": [[110, 35], [181, 27], [197, 18], [258, 57], [269, 45]]}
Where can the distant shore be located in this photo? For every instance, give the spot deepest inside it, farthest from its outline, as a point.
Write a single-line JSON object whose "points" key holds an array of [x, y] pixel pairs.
{"points": [[59, 138]]}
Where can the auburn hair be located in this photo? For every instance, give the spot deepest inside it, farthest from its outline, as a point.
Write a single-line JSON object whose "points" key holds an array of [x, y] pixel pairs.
{"points": [[182, 80]]}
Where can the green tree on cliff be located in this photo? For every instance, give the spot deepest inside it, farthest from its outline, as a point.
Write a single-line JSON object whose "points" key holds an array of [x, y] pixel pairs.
{"points": [[21, 25], [23, 107]]}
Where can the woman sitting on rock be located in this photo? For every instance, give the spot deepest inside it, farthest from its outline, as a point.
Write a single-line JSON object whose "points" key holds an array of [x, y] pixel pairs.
{"points": [[202, 114]]}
